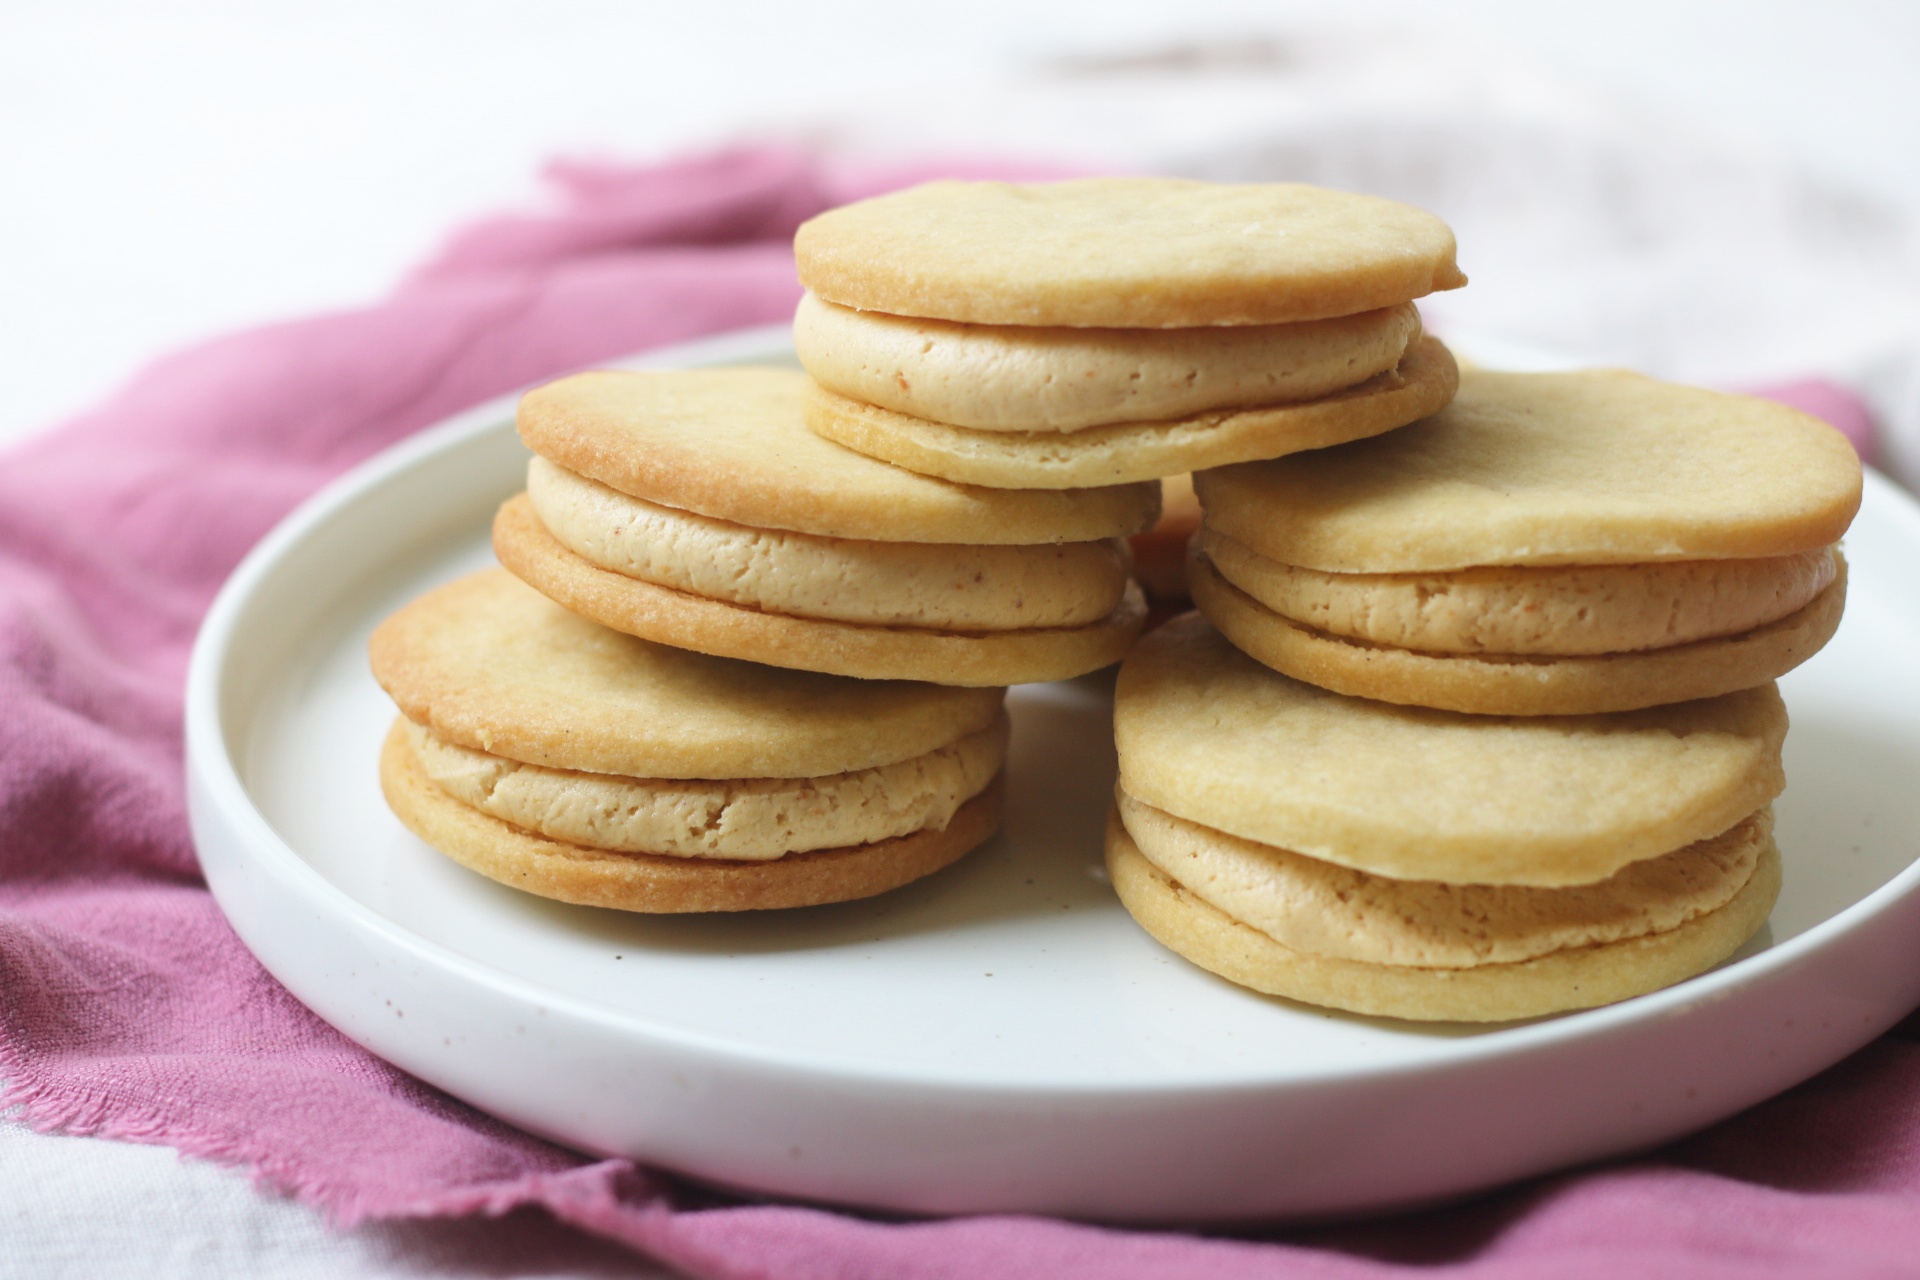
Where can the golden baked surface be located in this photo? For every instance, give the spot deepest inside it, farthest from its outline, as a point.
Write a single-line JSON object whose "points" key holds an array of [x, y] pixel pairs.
{"points": [[1009, 378], [1131, 452], [488, 663], [1128, 253], [1595, 467], [1208, 734], [732, 444]]}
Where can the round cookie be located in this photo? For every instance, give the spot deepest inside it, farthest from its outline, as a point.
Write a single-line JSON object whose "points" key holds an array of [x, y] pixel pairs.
{"points": [[1590, 468], [685, 621], [1124, 253], [731, 444], [1581, 978], [488, 663], [1208, 734], [1518, 684], [911, 584], [1562, 611], [740, 819], [1006, 378], [643, 882], [1131, 452], [1334, 912]]}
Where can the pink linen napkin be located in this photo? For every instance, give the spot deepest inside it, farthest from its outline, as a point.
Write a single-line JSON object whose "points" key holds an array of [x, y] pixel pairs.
{"points": [[129, 1010]]}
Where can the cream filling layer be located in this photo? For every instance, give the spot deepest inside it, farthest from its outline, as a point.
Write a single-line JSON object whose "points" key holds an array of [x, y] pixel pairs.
{"points": [[741, 819], [904, 584], [1010, 378], [1562, 611], [1323, 909]]}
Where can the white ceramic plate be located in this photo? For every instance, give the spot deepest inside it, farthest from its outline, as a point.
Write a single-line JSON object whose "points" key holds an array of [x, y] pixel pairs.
{"points": [[1000, 1036]]}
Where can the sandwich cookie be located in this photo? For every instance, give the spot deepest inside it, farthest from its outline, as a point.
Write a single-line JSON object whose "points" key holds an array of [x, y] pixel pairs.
{"points": [[695, 509], [570, 761], [1420, 864], [1116, 329], [1548, 544]]}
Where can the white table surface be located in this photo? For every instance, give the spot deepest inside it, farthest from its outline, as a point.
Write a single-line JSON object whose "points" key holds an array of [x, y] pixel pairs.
{"points": [[173, 171]]}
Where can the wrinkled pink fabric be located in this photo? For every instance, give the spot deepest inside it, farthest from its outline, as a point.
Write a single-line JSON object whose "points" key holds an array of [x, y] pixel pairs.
{"points": [[128, 1009]]}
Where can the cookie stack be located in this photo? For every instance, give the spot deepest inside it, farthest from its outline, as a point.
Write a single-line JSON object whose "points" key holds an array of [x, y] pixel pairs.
{"points": [[1426, 865], [1548, 544], [1116, 330], [741, 667], [688, 533], [567, 760], [1511, 736]]}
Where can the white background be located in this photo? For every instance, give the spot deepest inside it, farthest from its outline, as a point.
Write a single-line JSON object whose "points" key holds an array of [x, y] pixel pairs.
{"points": [[169, 171]]}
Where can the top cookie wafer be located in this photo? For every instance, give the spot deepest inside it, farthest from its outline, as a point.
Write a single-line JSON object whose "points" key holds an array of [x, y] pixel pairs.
{"points": [[732, 444], [487, 662], [1596, 467], [1133, 253]]}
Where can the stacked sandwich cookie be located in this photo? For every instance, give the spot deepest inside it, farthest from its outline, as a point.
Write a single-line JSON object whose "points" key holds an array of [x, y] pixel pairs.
{"points": [[742, 667], [1114, 330], [1430, 865], [706, 538], [1488, 727], [570, 761], [695, 509], [1547, 544]]}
